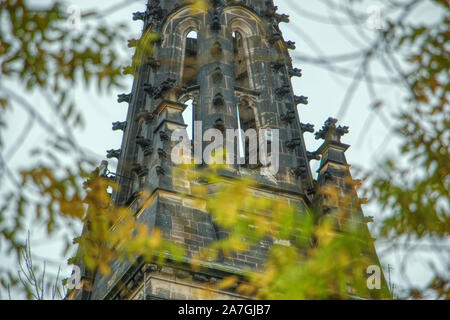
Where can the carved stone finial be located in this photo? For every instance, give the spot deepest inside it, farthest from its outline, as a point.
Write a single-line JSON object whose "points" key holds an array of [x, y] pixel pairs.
{"points": [[218, 100], [330, 132], [139, 16]]}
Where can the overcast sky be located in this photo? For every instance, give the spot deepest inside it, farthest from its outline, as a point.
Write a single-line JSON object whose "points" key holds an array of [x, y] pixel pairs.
{"points": [[314, 37]]}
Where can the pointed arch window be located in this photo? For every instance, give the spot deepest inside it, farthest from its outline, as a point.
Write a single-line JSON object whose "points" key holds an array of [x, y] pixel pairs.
{"points": [[240, 61], [188, 117], [247, 123], [190, 68]]}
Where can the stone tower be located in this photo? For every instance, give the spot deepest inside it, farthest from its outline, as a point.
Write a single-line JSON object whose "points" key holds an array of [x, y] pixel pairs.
{"points": [[232, 62]]}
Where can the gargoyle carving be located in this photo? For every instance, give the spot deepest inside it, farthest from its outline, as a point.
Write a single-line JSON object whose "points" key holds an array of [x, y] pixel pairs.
{"points": [[301, 100], [113, 154], [119, 125], [124, 98], [290, 45], [307, 127], [330, 132]]}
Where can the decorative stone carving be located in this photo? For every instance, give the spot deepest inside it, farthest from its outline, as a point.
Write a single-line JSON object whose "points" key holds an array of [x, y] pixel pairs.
{"points": [[274, 37], [165, 86], [216, 50], [145, 144], [290, 45], [271, 9], [163, 135], [295, 72], [139, 16], [124, 98], [283, 91], [145, 115], [139, 170], [217, 75], [312, 156], [155, 12], [289, 106], [288, 117], [299, 171], [119, 126], [292, 144], [328, 176], [215, 21], [307, 127], [301, 100], [149, 89], [161, 153], [113, 153], [282, 17], [218, 100], [276, 65], [219, 125]]}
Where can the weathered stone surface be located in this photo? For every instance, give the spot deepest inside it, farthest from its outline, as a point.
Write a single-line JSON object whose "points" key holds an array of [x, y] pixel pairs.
{"points": [[229, 69]]}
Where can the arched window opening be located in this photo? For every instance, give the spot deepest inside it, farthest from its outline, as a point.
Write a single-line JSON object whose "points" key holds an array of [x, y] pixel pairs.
{"points": [[190, 60], [188, 116], [240, 61], [246, 121]]}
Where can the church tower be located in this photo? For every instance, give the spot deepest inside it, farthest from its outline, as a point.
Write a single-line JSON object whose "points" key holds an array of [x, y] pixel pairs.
{"points": [[232, 64]]}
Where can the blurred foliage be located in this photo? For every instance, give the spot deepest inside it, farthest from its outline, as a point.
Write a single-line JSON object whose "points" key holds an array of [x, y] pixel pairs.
{"points": [[414, 189], [328, 259], [34, 281], [314, 256], [41, 52]]}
